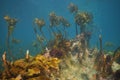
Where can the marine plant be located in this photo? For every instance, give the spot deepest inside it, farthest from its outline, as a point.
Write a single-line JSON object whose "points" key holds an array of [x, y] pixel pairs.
{"points": [[59, 35], [63, 59], [73, 8], [40, 38], [54, 19], [82, 19], [65, 24], [116, 55], [11, 26], [15, 41], [104, 62], [54, 22], [40, 23]]}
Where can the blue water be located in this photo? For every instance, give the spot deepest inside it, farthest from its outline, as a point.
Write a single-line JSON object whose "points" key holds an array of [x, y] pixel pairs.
{"points": [[106, 19]]}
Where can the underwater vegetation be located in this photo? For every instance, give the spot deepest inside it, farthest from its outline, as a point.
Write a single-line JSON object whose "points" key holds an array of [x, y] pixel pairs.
{"points": [[73, 8], [10, 28], [61, 58]]}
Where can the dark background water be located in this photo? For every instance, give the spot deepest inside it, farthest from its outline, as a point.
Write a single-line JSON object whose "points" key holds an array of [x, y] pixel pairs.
{"points": [[106, 19]]}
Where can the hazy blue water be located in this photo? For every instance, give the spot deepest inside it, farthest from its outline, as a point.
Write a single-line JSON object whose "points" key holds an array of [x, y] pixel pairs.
{"points": [[106, 18]]}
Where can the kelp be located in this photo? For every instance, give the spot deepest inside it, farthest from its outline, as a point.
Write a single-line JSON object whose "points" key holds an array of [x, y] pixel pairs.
{"points": [[10, 28]]}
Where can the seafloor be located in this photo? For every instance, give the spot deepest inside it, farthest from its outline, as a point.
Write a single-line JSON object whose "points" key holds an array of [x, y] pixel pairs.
{"points": [[61, 58]]}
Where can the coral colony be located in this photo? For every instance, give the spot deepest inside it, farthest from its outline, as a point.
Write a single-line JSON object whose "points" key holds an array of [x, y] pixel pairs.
{"points": [[61, 58]]}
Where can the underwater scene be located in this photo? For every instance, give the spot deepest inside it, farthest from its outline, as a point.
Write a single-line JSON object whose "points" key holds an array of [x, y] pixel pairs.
{"points": [[59, 40]]}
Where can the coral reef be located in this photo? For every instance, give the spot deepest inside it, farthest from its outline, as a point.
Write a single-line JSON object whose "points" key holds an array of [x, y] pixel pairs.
{"points": [[62, 58], [55, 64]]}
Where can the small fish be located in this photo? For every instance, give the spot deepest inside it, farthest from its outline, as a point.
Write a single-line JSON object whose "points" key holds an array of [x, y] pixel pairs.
{"points": [[15, 41], [109, 44], [34, 44]]}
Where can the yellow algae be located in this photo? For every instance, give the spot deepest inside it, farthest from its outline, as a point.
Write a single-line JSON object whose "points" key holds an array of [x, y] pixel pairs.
{"points": [[38, 66], [21, 63], [33, 71]]}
